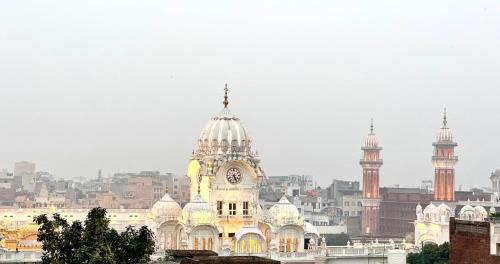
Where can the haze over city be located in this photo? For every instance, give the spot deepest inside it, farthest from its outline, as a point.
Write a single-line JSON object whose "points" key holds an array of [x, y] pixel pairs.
{"points": [[123, 86]]}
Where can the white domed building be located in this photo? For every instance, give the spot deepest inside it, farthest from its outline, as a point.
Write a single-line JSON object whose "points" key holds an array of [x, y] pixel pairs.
{"points": [[166, 214], [224, 214], [432, 224]]}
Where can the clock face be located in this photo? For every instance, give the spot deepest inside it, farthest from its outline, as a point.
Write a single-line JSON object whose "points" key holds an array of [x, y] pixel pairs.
{"points": [[233, 175]]}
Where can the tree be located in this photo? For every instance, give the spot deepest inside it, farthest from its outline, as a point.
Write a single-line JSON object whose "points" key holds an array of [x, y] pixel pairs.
{"points": [[132, 246], [95, 248], [431, 254], [93, 242]]}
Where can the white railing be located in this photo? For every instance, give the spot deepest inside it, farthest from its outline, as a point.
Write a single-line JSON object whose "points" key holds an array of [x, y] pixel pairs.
{"points": [[7, 256]]}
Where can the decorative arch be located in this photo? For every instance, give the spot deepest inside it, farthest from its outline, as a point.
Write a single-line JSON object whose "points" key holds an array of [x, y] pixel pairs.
{"points": [[251, 243], [204, 237], [290, 238], [267, 231], [428, 239], [167, 235]]}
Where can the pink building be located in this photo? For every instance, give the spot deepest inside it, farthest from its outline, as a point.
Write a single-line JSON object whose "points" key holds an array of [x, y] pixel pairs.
{"points": [[371, 163], [444, 161]]}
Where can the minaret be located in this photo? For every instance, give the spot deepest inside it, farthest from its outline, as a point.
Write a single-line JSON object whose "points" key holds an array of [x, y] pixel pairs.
{"points": [[371, 163], [444, 161]]}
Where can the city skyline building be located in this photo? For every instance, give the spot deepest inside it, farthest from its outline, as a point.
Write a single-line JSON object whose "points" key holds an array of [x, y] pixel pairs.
{"points": [[26, 171]]}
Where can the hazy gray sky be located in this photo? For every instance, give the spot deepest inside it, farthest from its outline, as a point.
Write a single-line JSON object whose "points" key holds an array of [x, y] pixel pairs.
{"points": [[128, 85]]}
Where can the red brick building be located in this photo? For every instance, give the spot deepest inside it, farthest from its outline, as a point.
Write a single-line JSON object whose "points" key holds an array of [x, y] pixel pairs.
{"points": [[470, 242], [397, 210]]}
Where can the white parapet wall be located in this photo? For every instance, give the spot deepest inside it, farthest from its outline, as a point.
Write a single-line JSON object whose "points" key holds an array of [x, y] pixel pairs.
{"points": [[396, 256]]}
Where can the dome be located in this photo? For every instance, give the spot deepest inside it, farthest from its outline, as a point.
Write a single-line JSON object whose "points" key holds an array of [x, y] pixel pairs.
{"points": [[224, 134], [466, 208], [445, 134], [431, 208], [167, 208], [419, 208], [480, 212], [371, 140], [199, 212], [284, 212], [467, 213], [430, 212], [492, 209], [443, 208]]}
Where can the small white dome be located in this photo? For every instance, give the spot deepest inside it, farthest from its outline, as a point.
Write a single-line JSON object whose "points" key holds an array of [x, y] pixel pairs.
{"points": [[443, 208], [467, 213], [166, 208], [466, 208], [480, 213], [431, 208], [284, 212], [445, 135], [199, 212], [492, 209], [371, 140]]}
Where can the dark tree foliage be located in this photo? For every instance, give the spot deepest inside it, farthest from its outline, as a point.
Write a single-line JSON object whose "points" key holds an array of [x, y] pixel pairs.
{"points": [[431, 254], [337, 239], [132, 246], [496, 214], [93, 242]]}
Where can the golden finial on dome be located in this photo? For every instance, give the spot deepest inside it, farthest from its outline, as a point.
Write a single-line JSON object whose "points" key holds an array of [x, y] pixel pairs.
{"points": [[445, 121], [166, 188], [226, 102]]}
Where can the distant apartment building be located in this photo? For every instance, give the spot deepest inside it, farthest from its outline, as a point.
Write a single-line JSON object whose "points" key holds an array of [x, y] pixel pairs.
{"points": [[291, 185], [352, 204], [6, 179], [138, 190], [26, 171], [338, 188]]}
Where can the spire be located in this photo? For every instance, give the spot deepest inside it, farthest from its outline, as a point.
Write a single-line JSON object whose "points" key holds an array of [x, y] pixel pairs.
{"points": [[166, 188], [444, 118], [371, 127], [226, 102]]}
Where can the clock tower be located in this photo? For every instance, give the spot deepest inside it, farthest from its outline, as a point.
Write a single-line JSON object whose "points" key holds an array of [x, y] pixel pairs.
{"points": [[371, 163], [226, 172]]}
